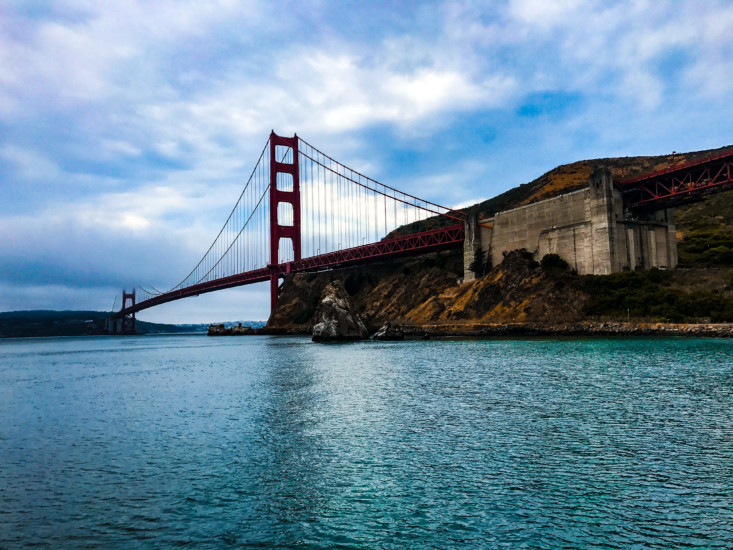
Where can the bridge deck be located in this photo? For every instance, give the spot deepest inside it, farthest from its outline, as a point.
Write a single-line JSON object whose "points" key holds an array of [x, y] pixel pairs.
{"points": [[417, 243], [679, 185]]}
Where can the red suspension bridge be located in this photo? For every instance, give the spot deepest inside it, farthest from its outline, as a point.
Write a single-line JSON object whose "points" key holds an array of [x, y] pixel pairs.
{"points": [[301, 210]]}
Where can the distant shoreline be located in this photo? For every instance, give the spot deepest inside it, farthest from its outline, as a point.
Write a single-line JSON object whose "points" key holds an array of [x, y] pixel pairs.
{"points": [[105, 335], [51, 323]]}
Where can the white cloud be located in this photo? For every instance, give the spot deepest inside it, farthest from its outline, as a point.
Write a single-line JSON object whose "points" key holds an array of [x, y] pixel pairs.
{"points": [[545, 15], [468, 202], [31, 165], [109, 50], [115, 147]]}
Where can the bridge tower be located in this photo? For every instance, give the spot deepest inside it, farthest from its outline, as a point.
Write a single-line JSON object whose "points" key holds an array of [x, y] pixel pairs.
{"points": [[282, 192], [128, 320]]}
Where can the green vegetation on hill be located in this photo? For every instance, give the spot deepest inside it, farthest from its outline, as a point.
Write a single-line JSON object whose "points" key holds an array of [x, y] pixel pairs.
{"points": [[706, 247], [657, 295], [706, 232]]}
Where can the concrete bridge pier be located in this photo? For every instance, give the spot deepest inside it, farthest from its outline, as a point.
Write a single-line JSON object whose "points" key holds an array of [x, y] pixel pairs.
{"points": [[477, 242]]}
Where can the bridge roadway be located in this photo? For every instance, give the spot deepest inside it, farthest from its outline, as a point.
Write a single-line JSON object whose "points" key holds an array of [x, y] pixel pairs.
{"points": [[678, 185], [417, 243]]}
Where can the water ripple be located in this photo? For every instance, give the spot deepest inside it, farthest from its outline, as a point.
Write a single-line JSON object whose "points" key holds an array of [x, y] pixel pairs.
{"points": [[278, 442]]}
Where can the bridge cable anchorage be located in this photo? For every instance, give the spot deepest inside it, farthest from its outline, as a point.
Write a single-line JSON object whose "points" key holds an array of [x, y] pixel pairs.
{"points": [[327, 215]]}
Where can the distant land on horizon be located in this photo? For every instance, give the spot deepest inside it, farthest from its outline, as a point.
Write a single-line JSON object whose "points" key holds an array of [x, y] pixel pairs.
{"points": [[39, 323]]}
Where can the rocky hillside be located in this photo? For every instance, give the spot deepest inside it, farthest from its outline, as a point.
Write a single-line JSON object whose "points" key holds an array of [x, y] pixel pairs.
{"points": [[424, 292], [400, 289]]}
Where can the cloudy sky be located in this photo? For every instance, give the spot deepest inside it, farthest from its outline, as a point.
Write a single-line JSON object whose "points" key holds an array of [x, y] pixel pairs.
{"points": [[128, 128]]}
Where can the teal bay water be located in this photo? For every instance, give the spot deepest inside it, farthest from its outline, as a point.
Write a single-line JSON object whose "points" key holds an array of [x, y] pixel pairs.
{"points": [[162, 441]]}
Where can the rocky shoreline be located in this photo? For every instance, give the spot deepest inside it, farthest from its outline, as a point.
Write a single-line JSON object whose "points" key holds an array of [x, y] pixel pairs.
{"points": [[415, 332], [575, 329]]}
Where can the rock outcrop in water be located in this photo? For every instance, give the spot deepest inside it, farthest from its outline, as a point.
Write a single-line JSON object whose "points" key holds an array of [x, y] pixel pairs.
{"points": [[222, 330], [336, 318], [390, 331]]}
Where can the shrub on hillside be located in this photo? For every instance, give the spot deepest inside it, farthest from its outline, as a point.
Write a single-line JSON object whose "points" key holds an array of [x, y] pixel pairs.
{"points": [[553, 261], [650, 295], [477, 266], [706, 247]]}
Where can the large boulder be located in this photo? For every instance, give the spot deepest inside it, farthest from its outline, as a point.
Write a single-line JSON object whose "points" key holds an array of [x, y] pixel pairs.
{"points": [[336, 318], [390, 332]]}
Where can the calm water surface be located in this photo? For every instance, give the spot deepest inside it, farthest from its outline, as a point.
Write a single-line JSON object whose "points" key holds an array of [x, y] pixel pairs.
{"points": [[278, 442]]}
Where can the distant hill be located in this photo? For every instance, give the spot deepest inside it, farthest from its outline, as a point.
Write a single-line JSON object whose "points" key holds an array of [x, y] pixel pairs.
{"points": [[16, 324]]}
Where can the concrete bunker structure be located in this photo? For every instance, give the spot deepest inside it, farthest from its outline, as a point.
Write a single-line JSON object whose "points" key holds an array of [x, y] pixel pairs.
{"points": [[588, 228]]}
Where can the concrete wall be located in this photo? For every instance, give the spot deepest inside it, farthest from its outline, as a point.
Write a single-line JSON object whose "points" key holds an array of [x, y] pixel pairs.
{"points": [[478, 236], [588, 228], [556, 225], [651, 242]]}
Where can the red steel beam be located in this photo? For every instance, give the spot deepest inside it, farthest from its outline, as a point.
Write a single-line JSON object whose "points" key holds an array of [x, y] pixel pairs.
{"points": [[417, 243], [679, 185]]}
